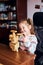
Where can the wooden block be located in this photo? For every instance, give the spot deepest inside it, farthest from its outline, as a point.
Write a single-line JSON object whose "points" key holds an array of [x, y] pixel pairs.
{"points": [[13, 31], [19, 34], [1, 64]]}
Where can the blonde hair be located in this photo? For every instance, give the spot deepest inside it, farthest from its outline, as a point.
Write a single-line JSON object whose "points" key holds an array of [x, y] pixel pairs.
{"points": [[29, 22]]}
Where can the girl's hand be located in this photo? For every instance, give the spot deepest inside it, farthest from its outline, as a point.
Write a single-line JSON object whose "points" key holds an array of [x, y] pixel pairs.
{"points": [[25, 39], [22, 47]]}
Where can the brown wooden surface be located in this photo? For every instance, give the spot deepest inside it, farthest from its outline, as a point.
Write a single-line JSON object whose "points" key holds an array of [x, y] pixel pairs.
{"points": [[8, 57], [21, 9]]}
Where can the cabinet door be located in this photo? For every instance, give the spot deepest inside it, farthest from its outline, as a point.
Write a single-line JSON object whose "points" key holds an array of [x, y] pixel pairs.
{"points": [[21, 9]]}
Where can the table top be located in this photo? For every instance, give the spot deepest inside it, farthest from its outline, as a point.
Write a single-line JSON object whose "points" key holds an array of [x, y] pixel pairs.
{"points": [[8, 57]]}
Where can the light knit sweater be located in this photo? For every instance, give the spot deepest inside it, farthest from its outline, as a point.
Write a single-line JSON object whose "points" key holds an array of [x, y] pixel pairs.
{"points": [[31, 43]]}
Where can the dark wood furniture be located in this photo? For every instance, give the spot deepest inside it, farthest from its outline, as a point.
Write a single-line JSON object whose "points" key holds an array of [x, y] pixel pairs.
{"points": [[4, 35], [21, 9], [12, 12], [13, 7], [8, 57]]}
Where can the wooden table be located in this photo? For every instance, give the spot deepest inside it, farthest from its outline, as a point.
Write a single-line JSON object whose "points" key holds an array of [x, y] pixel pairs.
{"points": [[8, 57]]}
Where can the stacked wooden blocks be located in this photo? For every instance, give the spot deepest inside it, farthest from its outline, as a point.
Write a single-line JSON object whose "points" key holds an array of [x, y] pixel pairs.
{"points": [[13, 38]]}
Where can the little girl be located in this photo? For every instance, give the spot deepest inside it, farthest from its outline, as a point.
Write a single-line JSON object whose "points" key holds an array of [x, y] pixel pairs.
{"points": [[28, 40]]}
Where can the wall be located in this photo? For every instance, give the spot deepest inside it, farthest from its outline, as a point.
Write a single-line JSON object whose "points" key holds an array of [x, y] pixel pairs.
{"points": [[31, 7]]}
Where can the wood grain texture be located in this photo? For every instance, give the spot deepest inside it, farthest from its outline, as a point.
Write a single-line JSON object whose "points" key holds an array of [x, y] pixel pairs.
{"points": [[8, 57]]}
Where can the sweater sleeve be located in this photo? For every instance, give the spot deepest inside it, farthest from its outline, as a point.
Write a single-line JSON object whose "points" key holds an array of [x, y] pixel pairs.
{"points": [[32, 48]]}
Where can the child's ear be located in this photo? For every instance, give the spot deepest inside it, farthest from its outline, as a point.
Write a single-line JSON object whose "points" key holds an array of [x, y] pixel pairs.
{"points": [[29, 26]]}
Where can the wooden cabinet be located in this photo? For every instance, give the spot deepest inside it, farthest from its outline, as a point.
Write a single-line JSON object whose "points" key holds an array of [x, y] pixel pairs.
{"points": [[11, 12], [8, 13]]}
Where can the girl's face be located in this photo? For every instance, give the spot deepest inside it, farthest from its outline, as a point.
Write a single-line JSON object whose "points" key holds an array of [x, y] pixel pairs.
{"points": [[24, 28]]}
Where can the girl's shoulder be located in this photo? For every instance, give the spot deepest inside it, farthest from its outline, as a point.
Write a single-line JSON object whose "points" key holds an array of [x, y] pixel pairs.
{"points": [[32, 37]]}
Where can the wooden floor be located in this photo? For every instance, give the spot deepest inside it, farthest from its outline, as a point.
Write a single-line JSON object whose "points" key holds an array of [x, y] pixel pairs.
{"points": [[8, 57]]}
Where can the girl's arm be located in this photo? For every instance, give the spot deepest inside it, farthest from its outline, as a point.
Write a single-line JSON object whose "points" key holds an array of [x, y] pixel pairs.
{"points": [[24, 43], [33, 45]]}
